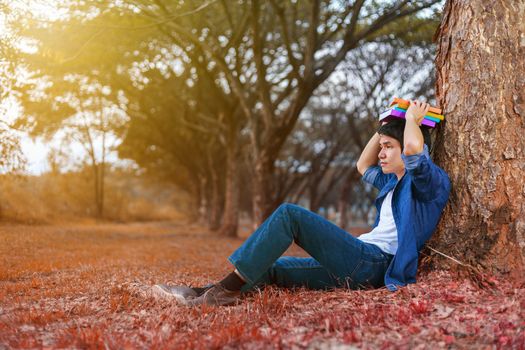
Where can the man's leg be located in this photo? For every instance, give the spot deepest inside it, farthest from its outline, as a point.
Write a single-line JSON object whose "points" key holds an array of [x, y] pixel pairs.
{"points": [[352, 262], [290, 272]]}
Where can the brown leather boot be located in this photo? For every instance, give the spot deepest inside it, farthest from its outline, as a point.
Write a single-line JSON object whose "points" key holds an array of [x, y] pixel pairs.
{"points": [[216, 295]]}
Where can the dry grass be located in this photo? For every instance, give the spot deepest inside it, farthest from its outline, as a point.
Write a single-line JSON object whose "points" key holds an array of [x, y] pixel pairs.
{"points": [[69, 197], [82, 286]]}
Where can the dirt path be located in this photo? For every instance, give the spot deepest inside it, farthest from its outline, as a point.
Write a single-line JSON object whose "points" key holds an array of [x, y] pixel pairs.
{"points": [[80, 286]]}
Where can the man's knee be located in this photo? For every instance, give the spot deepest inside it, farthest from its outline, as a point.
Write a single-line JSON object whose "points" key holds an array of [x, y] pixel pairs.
{"points": [[288, 207], [283, 206]]}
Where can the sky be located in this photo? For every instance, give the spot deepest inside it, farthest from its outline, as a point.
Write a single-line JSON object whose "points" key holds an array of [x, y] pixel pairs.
{"points": [[36, 153]]}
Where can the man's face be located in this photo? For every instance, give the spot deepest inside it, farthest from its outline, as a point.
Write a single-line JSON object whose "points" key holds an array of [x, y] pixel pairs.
{"points": [[390, 156]]}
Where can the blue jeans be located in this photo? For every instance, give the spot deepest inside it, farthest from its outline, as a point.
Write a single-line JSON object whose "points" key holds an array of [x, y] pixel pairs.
{"points": [[338, 259]]}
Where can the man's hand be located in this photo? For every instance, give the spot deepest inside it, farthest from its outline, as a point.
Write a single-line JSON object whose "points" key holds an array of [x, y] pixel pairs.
{"points": [[417, 111]]}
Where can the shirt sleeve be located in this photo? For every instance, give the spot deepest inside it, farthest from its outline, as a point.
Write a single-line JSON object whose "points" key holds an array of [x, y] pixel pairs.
{"points": [[375, 176], [426, 176]]}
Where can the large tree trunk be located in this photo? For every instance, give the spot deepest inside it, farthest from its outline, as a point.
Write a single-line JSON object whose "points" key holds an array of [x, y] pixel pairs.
{"points": [[481, 85], [345, 198], [215, 202], [215, 207], [101, 188], [195, 200], [203, 200], [230, 218], [98, 189], [315, 203], [262, 189]]}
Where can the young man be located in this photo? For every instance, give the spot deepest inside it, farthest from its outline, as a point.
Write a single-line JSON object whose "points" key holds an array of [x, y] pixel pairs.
{"points": [[412, 194]]}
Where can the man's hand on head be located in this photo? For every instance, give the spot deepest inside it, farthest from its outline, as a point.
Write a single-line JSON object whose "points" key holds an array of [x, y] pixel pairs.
{"points": [[412, 137], [416, 111]]}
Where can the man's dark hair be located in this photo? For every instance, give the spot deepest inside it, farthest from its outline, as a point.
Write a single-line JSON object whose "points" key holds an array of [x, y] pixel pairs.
{"points": [[396, 128]]}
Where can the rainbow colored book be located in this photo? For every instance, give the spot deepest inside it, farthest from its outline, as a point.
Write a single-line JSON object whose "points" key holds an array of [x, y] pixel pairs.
{"points": [[396, 113], [405, 103], [429, 116]]}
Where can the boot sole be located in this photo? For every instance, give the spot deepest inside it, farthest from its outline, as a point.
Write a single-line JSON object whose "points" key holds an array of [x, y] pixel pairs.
{"points": [[161, 292]]}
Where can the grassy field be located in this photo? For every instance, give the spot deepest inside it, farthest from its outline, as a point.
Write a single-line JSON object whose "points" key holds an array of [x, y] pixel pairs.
{"points": [[85, 286]]}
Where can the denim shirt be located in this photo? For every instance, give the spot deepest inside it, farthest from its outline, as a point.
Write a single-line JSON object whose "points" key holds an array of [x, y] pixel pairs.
{"points": [[418, 200]]}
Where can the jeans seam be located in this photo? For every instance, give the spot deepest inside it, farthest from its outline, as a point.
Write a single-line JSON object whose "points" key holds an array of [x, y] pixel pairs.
{"points": [[351, 276], [246, 278], [300, 267], [288, 221], [374, 262], [367, 279]]}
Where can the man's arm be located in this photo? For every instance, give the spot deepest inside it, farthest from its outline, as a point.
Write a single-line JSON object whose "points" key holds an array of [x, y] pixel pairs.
{"points": [[413, 138], [428, 181], [369, 156]]}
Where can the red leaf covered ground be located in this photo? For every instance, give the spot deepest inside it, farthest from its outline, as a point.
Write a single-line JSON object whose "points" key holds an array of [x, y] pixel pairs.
{"points": [[83, 287]]}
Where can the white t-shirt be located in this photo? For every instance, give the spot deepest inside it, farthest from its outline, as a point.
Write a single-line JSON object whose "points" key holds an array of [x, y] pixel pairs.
{"points": [[384, 235]]}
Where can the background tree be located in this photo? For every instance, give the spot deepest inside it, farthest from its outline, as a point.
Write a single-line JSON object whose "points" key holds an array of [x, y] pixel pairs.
{"points": [[79, 111], [181, 68], [65, 93], [342, 114], [274, 64], [178, 138], [11, 75], [204, 66], [480, 85]]}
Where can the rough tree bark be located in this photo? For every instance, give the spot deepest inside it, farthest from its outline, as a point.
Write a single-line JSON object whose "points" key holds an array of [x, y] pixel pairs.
{"points": [[481, 85]]}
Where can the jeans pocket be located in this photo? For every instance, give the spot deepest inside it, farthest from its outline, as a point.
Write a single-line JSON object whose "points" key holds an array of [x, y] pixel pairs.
{"points": [[373, 253], [369, 274]]}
